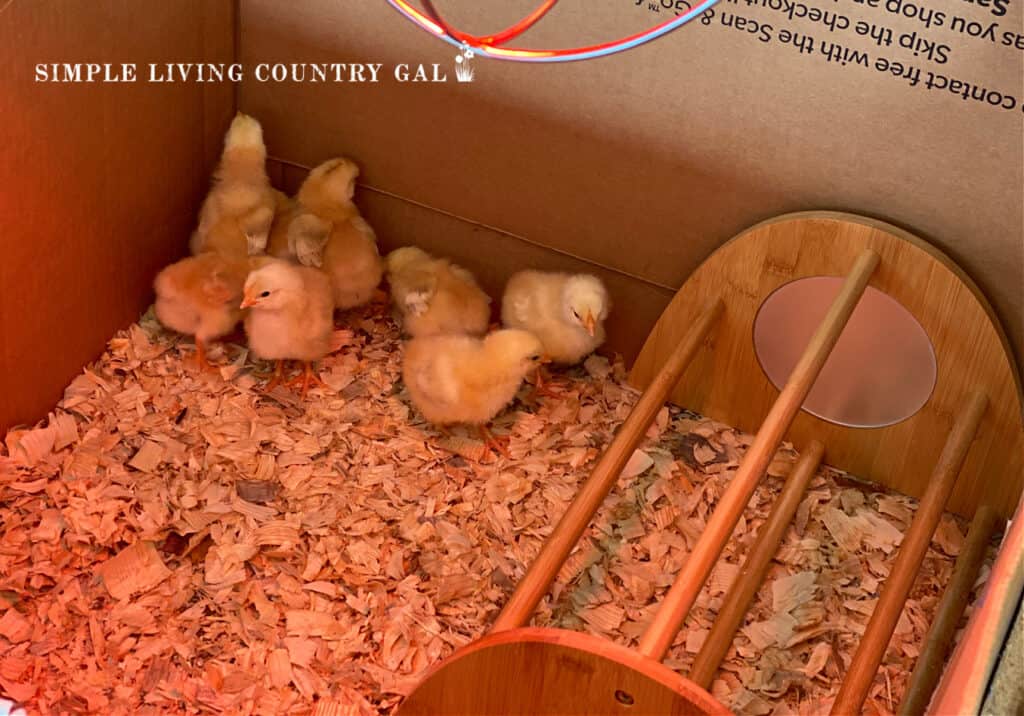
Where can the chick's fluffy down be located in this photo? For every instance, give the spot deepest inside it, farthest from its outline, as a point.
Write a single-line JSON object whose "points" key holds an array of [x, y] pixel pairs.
{"points": [[291, 315], [462, 379], [353, 263], [555, 307], [350, 255], [285, 211], [200, 295], [434, 296], [296, 234]]}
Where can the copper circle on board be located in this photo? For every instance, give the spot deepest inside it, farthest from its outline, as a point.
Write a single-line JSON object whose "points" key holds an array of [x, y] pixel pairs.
{"points": [[882, 370]]}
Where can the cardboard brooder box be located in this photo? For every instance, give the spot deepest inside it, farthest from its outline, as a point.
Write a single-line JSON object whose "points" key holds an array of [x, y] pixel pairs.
{"points": [[634, 167]]}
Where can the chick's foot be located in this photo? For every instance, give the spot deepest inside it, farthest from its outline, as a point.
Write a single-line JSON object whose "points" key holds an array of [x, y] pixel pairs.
{"points": [[498, 445], [542, 385], [307, 378]]}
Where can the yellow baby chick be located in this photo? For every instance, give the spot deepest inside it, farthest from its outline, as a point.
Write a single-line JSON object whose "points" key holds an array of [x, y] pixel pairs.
{"points": [[350, 255], [565, 311], [235, 217], [199, 296], [462, 379], [434, 296], [291, 316], [297, 235]]}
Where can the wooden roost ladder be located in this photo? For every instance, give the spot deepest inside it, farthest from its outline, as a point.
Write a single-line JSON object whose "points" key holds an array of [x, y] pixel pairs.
{"points": [[516, 669]]}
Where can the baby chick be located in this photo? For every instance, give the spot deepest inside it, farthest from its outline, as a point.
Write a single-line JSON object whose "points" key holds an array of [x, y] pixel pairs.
{"points": [[291, 316], [297, 235], [434, 296], [199, 296], [565, 311], [236, 215], [350, 255], [461, 379]]}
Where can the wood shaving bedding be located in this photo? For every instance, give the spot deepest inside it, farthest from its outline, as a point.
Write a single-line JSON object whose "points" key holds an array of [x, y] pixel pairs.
{"points": [[178, 542]]}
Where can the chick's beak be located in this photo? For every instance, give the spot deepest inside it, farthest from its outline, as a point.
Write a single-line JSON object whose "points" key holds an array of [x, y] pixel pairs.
{"points": [[545, 359], [248, 301], [590, 323]]}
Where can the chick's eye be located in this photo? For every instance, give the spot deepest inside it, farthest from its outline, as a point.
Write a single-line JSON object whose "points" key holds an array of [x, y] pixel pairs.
{"points": [[576, 314], [534, 357], [264, 294]]}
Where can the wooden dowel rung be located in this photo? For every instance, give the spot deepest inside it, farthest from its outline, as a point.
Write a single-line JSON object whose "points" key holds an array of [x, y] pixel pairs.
{"points": [[871, 649], [947, 615], [690, 580], [755, 567], [558, 546]]}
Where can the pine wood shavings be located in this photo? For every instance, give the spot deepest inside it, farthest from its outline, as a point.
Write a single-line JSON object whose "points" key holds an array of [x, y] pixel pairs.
{"points": [[948, 536], [316, 556], [818, 659], [257, 492], [135, 569], [148, 457], [279, 668], [455, 587], [847, 532], [28, 447], [260, 513], [639, 462], [306, 623], [879, 533], [695, 639], [31, 486], [777, 630], [66, 429], [722, 577], [20, 692], [893, 507], [14, 627], [474, 450], [605, 619], [788, 593]]}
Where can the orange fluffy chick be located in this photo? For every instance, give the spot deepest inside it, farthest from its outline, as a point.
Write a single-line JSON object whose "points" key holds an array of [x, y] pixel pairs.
{"points": [[433, 296], [350, 256], [290, 317], [466, 380], [236, 216], [199, 296]]}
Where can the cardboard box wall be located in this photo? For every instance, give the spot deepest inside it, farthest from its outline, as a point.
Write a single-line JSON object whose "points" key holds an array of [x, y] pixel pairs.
{"points": [[100, 182], [641, 164]]}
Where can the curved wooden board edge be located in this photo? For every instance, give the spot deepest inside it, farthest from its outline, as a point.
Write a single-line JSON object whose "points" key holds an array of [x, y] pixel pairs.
{"points": [[726, 382], [537, 671]]}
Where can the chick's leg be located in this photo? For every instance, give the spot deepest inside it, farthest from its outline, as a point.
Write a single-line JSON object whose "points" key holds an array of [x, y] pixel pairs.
{"points": [[540, 384], [492, 442], [276, 379], [201, 362], [309, 376]]}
